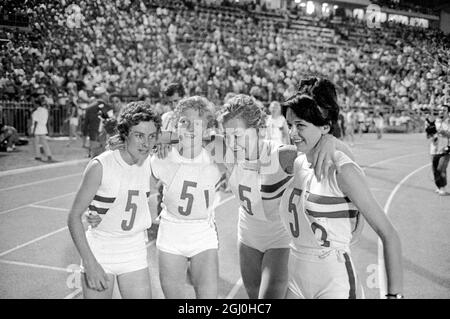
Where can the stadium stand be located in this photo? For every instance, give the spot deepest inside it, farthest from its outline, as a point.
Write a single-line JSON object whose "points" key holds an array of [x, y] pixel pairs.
{"points": [[135, 48]]}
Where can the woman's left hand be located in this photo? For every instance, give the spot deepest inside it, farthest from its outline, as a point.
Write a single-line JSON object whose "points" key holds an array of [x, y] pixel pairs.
{"points": [[162, 150]]}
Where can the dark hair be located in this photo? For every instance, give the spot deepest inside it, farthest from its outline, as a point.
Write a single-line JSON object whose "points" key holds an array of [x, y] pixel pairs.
{"points": [[173, 88], [430, 128], [306, 108], [315, 102], [131, 115]]}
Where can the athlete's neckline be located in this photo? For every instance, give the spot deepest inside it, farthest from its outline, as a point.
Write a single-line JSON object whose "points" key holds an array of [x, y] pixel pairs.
{"points": [[187, 159], [122, 161]]}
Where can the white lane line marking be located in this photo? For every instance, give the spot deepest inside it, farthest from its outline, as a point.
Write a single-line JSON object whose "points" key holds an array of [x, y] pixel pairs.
{"points": [[51, 208], [235, 289], [39, 182], [38, 202], [32, 241], [73, 294], [392, 159], [19, 263], [42, 167], [381, 267]]}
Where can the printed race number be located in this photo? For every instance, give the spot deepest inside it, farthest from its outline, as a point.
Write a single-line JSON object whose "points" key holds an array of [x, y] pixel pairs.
{"points": [[323, 236], [315, 227], [128, 225], [243, 198], [293, 210], [185, 195]]}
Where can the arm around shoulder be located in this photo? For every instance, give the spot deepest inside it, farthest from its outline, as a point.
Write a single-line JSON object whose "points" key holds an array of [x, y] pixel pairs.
{"points": [[287, 155], [344, 148]]}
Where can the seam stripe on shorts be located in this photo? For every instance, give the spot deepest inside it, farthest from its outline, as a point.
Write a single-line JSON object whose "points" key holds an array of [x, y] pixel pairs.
{"points": [[206, 192], [351, 277]]}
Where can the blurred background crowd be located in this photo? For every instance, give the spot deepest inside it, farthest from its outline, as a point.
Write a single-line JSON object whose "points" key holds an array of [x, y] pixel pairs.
{"points": [[65, 50]]}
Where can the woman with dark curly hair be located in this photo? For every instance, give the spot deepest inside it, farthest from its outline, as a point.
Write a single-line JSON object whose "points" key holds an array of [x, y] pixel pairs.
{"points": [[116, 185]]}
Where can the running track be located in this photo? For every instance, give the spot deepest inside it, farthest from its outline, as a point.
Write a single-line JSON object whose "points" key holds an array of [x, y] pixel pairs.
{"points": [[38, 259]]}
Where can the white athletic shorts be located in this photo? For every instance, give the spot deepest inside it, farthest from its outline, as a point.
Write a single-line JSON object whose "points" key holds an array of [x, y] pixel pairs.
{"points": [[73, 121], [186, 238], [262, 235], [323, 274], [118, 254]]}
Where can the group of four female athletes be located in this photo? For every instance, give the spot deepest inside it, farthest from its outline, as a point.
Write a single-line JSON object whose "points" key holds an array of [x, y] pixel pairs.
{"points": [[295, 223]]}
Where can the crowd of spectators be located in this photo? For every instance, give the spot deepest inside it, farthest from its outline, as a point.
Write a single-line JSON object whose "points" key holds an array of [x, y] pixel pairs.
{"points": [[136, 48]]}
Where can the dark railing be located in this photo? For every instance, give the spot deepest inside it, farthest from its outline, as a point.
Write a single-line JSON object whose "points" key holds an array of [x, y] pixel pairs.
{"points": [[18, 114], [14, 20]]}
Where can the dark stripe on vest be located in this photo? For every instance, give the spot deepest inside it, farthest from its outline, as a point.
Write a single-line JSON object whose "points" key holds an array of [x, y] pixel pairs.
{"points": [[222, 178], [98, 209], [327, 200], [335, 214], [274, 187], [104, 199], [276, 196]]}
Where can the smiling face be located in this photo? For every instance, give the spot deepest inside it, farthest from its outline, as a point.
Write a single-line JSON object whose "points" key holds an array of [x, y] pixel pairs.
{"points": [[240, 139], [141, 140], [304, 135], [191, 127]]}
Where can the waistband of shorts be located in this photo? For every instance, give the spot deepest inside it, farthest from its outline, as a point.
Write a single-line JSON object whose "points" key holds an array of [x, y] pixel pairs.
{"points": [[97, 233], [170, 218], [317, 252]]}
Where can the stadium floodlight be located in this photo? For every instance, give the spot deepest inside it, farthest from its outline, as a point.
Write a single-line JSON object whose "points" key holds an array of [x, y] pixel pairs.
{"points": [[310, 7]]}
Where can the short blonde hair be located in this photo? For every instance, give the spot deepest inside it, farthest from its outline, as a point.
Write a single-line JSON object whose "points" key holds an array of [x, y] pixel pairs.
{"points": [[198, 103], [246, 108]]}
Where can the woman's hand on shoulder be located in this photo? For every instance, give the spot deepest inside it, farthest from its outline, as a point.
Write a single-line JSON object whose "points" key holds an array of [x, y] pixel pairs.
{"points": [[323, 156], [287, 155], [162, 150]]}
